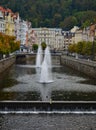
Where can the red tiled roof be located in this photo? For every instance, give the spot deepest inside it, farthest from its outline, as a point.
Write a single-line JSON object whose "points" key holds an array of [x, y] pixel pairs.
{"points": [[9, 10], [2, 9], [14, 15], [5, 10]]}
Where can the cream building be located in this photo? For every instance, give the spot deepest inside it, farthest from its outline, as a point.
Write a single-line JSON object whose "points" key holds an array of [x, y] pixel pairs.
{"points": [[78, 36], [51, 36], [9, 23]]}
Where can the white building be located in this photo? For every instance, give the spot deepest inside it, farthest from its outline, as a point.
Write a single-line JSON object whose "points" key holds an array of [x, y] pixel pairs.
{"points": [[17, 26], [74, 29], [89, 33], [23, 32], [2, 23], [59, 45], [51, 36], [82, 35]]}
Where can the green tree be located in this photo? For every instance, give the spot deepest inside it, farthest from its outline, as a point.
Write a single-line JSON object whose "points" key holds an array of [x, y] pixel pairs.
{"points": [[56, 19], [43, 44], [40, 11], [85, 18], [87, 48], [79, 47], [34, 47], [72, 48], [95, 47], [68, 23]]}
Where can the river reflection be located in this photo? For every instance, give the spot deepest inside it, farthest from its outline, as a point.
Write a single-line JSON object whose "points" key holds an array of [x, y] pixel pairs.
{"points": [[19, 82]]}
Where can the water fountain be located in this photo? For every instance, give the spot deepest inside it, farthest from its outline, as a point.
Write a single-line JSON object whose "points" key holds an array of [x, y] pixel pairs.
{"points": [[27, 97], [44, 73], [48, 56], [39, 57]]}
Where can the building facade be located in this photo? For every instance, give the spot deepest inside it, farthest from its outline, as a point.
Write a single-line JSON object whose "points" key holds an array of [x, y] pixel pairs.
{"points": [[2, 22], [23, 32], [9, 24], [17, 25], [51, 36]]}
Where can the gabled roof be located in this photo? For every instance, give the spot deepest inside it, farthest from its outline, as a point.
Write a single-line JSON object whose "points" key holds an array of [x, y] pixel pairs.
{"points": [[2, 9], [9, 10], [5, 10]]}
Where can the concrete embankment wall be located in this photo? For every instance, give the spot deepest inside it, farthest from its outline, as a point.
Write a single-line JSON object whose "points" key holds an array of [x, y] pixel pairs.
{"points": [[31, 59], [84, 66], [7, 62]]}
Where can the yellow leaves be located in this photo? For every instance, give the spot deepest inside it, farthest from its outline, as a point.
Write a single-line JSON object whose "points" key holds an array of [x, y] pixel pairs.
{"points": [[72, 48], [8, 43], [82, 47]]}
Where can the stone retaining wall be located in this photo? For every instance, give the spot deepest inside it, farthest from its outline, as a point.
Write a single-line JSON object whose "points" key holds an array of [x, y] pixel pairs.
{"points": [[31, 59], [7, 62], [84, 66]]}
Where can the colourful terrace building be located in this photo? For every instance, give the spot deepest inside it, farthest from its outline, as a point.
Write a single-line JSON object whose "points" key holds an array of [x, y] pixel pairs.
{"points": [[9, 23]]}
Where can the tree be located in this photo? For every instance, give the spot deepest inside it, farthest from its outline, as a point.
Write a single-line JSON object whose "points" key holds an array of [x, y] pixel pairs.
{"points": [[79, 47], [34, 47], [8, 44], [85, 18], [37, 11], [72, 48], [43, 44], [68, 23], [87, 48], [56, 19], [95, 47]]}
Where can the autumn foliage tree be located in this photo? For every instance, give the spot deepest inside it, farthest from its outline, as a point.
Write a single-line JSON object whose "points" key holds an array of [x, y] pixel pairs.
{"points": [[8, 44], [83, 48], [72, 48]]}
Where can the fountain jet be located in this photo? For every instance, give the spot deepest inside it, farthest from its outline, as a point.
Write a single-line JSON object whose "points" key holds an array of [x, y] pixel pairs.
{"points": [[46, 66], [39, 57]]}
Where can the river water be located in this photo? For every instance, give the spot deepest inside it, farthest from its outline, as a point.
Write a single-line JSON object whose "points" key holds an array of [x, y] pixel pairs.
{"points": [[20, 82]]}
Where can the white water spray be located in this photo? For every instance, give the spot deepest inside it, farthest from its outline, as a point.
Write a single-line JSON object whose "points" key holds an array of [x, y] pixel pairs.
{"points": [[39, 57], [45, 73]]}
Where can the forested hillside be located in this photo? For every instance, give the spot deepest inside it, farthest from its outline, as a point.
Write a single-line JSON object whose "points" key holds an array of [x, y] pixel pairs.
{"points": [[54, 13]]}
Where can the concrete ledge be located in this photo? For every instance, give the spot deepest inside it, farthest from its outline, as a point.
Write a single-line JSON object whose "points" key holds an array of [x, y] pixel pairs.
{"points": [[47, 106]]}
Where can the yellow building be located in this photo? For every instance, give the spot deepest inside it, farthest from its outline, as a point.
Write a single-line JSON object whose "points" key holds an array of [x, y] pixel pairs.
{"points": [[9, 23]]}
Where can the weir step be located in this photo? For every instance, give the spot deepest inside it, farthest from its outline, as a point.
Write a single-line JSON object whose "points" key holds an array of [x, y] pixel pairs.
{"points": [[47, 106]]}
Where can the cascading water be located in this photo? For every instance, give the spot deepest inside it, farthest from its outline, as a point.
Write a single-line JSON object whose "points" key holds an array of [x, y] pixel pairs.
{"points": [[46, 74]]}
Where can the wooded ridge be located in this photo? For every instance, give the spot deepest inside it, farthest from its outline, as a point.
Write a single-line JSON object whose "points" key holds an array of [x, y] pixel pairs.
{"points": [[54, 13]]}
